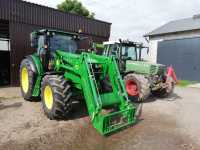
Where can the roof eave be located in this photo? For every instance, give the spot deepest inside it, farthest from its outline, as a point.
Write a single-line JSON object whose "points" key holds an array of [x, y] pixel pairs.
{"points": [[165, 33]]}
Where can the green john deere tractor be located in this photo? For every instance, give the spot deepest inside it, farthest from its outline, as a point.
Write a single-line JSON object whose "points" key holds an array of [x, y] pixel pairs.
{"points": [[141, 78], [60, 71]]}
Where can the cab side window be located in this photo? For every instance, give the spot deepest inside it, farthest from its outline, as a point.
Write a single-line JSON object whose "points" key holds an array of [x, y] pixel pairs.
{"points": [[40, 48]]}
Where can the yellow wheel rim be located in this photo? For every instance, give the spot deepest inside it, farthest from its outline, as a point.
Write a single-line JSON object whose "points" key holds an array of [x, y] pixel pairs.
{"points": [[24, 79], [48, 97]]}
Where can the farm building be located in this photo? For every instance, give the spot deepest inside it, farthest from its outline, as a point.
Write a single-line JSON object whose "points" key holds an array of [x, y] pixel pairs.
{"points": [[19, 18], [177, 43]]}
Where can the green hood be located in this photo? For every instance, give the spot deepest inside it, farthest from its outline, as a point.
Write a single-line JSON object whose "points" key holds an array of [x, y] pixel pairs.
{"points": [[143, 67]]}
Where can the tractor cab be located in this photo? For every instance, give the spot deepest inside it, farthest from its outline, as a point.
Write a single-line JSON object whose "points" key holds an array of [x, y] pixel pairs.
{"points": [[52, 40], [126, 50], [46, 42]]}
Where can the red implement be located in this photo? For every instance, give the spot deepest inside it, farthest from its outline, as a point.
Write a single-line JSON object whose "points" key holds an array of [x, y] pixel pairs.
{"points": [[171, 73]]}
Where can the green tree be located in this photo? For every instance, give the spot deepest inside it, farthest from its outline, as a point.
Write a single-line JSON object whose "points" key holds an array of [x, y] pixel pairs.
{"points": [[76, 7]]}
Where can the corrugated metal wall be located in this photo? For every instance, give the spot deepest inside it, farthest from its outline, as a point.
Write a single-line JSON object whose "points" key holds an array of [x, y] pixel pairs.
{"points": [[4, 29], [20, 45], [28, 13], [23, 18]]}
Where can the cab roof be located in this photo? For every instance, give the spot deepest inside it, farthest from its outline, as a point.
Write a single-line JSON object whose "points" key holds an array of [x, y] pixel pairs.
{"points": [[126, 42], [43, 31], [110, 42]]}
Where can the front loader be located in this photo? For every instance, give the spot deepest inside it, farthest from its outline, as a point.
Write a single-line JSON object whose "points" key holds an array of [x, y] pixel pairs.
{"points": [[58, 73]]}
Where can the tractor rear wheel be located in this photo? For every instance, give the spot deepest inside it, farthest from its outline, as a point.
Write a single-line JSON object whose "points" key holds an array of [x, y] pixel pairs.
{"points": [[27, 78], [137, 87], [56, 97]]}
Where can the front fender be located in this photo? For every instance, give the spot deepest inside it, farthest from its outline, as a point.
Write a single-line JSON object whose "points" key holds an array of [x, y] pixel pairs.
{"points": [[127, 72], [37, 63], [39, 72]]}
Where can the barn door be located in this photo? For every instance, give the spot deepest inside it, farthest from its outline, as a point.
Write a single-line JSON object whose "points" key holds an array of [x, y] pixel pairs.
{"points": [[184, 55]]}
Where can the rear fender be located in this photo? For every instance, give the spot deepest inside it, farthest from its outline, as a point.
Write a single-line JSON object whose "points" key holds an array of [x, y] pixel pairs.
{"points": [[127, 72]]}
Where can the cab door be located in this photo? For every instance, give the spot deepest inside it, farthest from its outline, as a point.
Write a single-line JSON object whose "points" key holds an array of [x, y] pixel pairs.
{"points": [[42, 51]]}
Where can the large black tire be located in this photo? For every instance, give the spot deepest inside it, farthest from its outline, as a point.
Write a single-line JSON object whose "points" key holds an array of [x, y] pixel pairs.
{"points": [[61, 104], [143, 86], [165, 92], [27, 78]]}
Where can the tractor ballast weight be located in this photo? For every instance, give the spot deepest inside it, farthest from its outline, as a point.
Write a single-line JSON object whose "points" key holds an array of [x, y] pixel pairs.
{"points": [[68, 73]]}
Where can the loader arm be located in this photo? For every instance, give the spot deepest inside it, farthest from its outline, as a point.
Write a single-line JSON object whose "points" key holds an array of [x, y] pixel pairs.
{"points": [[85, 72]]}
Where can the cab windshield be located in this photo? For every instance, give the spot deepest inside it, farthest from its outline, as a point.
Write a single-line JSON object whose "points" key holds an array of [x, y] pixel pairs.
{"points": [[129, 52], [63, 42], [134, 53]]}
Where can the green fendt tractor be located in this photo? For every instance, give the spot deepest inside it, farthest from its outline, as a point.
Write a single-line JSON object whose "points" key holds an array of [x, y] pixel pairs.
{"points": [[59, 72], [141, 78]]}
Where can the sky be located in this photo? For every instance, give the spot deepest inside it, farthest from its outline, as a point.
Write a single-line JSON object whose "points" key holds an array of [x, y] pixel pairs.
{"points": [[131, 19]]}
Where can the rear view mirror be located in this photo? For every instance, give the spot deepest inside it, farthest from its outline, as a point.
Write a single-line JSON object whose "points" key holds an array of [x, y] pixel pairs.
{"points": [[123, 57], [34, 39]]}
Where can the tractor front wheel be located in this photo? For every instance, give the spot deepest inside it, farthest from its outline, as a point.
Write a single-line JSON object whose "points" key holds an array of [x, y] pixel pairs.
{"points": [[56, 97], [137, 87]]}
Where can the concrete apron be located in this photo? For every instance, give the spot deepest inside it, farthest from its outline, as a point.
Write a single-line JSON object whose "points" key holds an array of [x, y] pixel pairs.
{"points": [[196, 85], [10, 92]]}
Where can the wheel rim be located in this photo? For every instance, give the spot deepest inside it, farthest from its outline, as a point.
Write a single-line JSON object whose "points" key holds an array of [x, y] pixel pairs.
{"points": [[48, 97], [132, 88], [24, 80]]}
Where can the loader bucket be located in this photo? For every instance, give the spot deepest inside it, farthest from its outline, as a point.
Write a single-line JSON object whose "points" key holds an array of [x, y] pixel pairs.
{"points": [[109, 123]]}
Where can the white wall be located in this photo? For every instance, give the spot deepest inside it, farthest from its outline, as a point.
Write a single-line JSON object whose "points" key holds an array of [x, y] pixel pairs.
{"points": [[153, 49]]}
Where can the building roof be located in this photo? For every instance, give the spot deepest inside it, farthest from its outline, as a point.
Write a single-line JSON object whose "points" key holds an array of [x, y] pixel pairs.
{"points": [[181, 25], [40, 5], [22, 12]]}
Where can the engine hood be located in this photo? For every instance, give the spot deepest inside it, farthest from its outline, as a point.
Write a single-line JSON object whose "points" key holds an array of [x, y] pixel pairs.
{"points": [[144, 67]]}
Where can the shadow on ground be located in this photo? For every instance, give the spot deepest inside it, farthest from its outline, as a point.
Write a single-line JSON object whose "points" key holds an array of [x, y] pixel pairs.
{"points": [[79, 110], [171, 97], [15, 105]]}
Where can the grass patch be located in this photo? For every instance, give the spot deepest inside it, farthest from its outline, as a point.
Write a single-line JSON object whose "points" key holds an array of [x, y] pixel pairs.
{"points": [[185, 83]]}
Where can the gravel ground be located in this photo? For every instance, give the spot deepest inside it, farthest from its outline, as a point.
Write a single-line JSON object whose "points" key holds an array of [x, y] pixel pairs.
{"points": [[170, 123]]}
